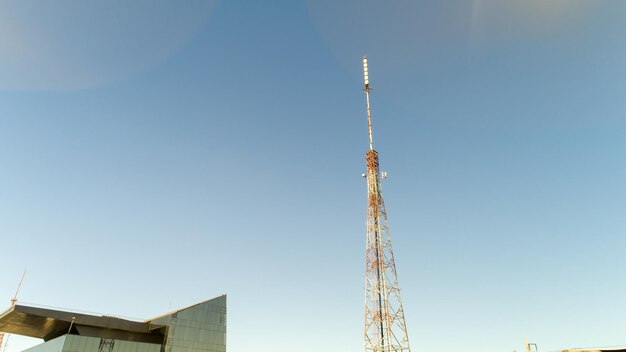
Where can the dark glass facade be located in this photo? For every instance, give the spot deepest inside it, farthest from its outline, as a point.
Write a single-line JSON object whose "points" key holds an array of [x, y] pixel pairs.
{"points": [[198, 328], [75, 343]]}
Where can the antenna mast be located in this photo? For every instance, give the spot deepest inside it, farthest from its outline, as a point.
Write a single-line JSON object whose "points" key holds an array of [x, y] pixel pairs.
{"points": [[367, 89], [13, 302], [14, 299], [385, 326]]}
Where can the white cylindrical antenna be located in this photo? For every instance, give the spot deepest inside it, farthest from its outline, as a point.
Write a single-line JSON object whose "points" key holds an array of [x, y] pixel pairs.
{"points": [[366, 79], [365, 73]]}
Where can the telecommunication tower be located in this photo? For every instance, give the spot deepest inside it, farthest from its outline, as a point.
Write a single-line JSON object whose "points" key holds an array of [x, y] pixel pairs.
{"points": [[385, 327]]}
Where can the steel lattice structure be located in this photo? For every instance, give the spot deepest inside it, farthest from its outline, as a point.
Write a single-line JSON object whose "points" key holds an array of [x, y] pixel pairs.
{"points": [[106, 345], [385, 327]]}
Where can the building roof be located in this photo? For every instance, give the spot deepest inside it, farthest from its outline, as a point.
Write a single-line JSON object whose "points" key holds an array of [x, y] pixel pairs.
{"points": [[47, 324]]}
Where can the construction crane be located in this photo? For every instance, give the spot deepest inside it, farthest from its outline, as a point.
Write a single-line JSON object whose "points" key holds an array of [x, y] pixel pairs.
{"points": [[5, 337], [385, 326]]}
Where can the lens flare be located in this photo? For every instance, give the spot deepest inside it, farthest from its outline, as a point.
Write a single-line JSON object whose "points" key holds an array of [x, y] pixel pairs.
{"points": [[65, 44]]}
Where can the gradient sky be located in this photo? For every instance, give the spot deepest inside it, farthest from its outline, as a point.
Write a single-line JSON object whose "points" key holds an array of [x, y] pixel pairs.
{"points": [[157, 153]]}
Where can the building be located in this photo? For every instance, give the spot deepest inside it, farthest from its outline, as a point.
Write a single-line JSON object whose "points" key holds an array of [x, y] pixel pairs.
{"points": [[599, 349], [197, 328]]}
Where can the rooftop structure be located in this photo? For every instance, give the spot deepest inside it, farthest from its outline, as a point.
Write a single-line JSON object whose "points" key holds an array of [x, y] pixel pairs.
{"points": [[198, 328]]}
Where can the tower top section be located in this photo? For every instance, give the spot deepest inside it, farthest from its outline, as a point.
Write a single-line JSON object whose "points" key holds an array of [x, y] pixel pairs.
{"points": [[366, 79]]}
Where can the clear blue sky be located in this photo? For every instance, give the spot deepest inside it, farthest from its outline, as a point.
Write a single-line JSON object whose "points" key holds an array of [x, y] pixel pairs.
{"points": [[154, 154]]}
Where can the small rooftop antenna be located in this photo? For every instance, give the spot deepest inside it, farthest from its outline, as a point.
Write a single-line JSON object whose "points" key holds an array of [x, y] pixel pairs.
{"points": [[14, 299], [13, 302], [367, 89], [71, 324]]}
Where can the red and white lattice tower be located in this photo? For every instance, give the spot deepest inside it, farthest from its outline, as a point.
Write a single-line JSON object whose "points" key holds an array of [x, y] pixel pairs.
{"points": [[385, 328]]}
